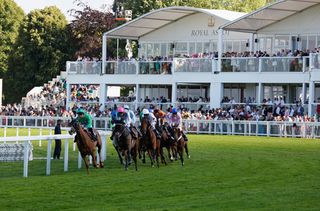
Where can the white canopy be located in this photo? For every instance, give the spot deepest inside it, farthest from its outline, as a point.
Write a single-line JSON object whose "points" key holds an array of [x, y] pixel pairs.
{"points": [[269, 15], [159, 18]]}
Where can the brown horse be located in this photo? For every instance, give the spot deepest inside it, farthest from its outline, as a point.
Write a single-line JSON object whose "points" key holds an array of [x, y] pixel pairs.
{"points": [[125, 145], [149, 142], [167, 142], [86, 145], [181, 144]]}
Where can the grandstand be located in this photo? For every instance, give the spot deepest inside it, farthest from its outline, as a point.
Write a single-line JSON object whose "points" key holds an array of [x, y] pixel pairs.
{"points": [[215, 54]]}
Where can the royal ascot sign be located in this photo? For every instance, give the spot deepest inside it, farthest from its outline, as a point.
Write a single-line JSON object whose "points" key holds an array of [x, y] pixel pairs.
{"points": [[206, 33]]}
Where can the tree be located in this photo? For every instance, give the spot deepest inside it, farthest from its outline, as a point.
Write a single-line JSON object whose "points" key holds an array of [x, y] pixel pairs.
{"points": [[41, 50], [11, 16], [87, 29]]}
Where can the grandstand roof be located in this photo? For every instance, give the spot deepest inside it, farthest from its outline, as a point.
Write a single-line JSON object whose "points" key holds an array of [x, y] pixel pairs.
{"points": [[157, 19], [268, 15]]}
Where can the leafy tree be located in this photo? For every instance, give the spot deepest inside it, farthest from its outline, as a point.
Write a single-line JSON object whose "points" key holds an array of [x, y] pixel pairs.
{"points": [[87, 29], [11, 16], [41, 50]]}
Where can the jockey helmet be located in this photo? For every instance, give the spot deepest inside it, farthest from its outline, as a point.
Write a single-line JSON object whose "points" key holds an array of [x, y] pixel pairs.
{"points": [[80, 111], [145, 111], [174, 111], [120, 109], [126, 107]]}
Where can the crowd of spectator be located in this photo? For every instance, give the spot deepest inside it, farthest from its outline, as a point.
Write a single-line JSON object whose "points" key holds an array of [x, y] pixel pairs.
{"points": [[80, 92]]}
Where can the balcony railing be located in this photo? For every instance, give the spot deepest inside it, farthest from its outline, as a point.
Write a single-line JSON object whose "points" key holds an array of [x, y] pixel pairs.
{"points": [[193, 65], [155, 67], [240, 64], [315, 61], [230, 64], [84, 67]]}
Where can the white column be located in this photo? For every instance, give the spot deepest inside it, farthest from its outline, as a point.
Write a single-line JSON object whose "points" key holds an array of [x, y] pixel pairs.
{"points": [[103, 93], [311, 97], [260, 93], [251, 42], [68, 95], [220, 47], [137, 93], [174, 94], [216, 93], [304, 93], [117, 49], [104, 53]]}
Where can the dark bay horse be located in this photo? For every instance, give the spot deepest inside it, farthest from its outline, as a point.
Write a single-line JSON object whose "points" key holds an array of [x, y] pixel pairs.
{"points": [[125, 145], [86, 145], [149, 142], [181, 144]]}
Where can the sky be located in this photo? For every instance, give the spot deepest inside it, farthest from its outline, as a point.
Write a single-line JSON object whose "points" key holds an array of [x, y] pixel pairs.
{"points": [[63, 5]]}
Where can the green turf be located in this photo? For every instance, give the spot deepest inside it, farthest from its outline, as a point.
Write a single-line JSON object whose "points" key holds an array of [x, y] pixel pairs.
{"points": [[224, 173]]}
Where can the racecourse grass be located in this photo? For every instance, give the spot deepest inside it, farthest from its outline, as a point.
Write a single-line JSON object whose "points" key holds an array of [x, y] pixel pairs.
{"points": [[223, 173]]}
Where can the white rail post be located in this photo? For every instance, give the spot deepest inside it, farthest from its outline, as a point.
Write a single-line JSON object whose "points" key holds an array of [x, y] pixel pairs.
{"points": [[79, 160], [48, 157], [104, 147], [268, 129], [29, 132], [66, 154], [17, 133], [40, 134], [25, 158], [5, 133]]}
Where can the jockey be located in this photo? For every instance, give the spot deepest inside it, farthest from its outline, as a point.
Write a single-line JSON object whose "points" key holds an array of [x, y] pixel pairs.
{"points": [[131, 116], [160, 116], [174, 119], [151, 119], [131, 121], [120, 117], [86, 120]]}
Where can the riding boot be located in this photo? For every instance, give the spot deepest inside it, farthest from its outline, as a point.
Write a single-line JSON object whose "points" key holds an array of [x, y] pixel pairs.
{"points": [[157, 133], [184, 136], [111, 137]]}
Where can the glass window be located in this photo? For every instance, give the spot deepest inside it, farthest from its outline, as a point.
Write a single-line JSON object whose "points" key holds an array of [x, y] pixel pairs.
{"points": [[149, 49], [199, 47], [243, 46], [163, 49], [206, 47], [312, 42], [192, 48], [142, 50], [214, 46], [236, 46], [281, 42], [318, 41], [304, 42], [156, 49], [228, 46]]}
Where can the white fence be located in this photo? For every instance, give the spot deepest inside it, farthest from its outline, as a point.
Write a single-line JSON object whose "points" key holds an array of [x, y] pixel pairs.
{"points": [[26, 140], [259, 128]]}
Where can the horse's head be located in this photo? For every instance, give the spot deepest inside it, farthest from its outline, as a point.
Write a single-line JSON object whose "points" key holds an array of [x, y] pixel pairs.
{"points": [[75, 126], [177, 133], [144, 125]]}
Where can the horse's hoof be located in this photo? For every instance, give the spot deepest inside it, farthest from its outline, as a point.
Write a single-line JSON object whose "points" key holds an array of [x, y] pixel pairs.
{"points": [[143, 161], [182, 164], [171, 159], [189, 156], [101, 165]]}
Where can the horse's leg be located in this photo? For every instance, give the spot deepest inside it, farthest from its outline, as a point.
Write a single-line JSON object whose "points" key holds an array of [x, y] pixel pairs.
{"points": [[126, 160], [120, 158], [86, 162], [134, 153], [180, 149], [150, 155], [94, 157], [169, 153], [163, 159], [100, 156], [186, 148]]}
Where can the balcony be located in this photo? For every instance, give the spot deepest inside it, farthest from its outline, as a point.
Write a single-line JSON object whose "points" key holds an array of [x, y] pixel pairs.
{"points": [[196, 65]]}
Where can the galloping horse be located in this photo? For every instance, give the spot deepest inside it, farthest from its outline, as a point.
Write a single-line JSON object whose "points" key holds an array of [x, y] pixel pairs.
{"points": [[125, 145], [86, 145], [181, 144], [149, 142]]}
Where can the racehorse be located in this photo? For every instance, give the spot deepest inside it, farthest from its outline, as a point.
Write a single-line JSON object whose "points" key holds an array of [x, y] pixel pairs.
{"points": [[181, 144], [149, 142], [167, 142], [125, 145], [86, 145]]}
